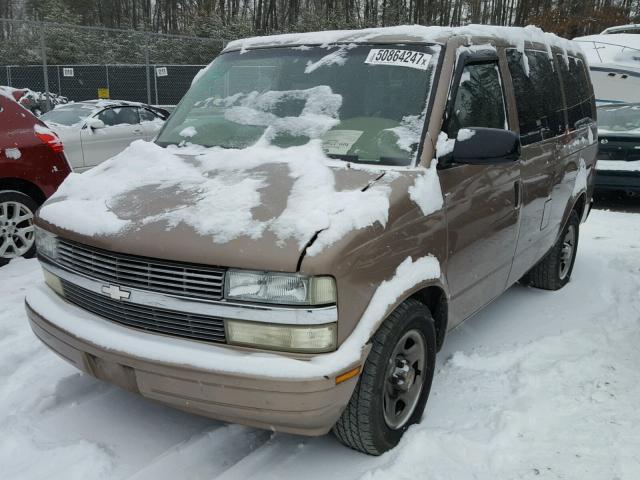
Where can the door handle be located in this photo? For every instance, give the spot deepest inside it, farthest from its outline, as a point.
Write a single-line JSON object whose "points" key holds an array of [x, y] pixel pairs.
{"points": [[517, 190], [137, 131]]}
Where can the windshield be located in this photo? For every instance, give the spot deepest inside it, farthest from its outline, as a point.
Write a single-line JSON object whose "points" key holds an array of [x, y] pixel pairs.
{"points": [[619, 118], [366, 103], [68, 114]]}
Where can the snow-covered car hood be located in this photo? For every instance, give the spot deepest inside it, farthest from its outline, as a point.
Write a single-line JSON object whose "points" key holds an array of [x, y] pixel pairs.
{"points": [[260, 207]]}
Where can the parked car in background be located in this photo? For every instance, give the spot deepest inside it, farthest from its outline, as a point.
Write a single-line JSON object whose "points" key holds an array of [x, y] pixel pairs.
{"points": [[633, 28], [32, 166], [35, 102], [614, 64], [366, 192], [95, 130], [618, 166]]}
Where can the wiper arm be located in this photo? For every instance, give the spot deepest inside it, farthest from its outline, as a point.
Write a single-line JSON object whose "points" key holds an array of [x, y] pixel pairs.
{"points": [[346, 158]]}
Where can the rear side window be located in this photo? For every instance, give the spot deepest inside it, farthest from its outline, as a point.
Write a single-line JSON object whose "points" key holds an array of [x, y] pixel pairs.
{"points": [[538, 95], [576, 91], [479, 101]]}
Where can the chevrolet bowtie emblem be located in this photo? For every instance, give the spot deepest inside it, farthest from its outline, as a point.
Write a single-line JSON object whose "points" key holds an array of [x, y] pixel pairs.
{"points": [[115, 292]]}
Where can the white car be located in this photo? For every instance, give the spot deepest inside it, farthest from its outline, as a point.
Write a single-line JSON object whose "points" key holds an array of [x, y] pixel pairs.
{"points": [[95, 130]]}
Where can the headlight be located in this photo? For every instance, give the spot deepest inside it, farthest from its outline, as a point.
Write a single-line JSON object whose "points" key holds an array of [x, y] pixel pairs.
{"points": [[46, 243], [280, 288], [290, 338]]}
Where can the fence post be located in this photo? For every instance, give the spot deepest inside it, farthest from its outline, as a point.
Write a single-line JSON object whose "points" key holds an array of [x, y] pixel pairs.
{"points": [[43, 49], [155, 80], [106, 70], [146, 62]]}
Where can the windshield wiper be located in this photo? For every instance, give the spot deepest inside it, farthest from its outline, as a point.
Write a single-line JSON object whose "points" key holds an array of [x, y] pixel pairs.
{"points": [[346, 158]]}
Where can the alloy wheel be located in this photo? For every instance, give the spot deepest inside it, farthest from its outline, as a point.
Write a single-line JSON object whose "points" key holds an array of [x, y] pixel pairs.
{"points": [[17, 233]]}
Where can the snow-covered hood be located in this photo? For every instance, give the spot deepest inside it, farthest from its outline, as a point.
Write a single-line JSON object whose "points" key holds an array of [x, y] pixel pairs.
{"points": [[260, 207]]}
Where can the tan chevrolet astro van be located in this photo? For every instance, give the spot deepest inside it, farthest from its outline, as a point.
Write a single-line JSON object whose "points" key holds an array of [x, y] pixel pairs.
{"points": [[315, 216]]}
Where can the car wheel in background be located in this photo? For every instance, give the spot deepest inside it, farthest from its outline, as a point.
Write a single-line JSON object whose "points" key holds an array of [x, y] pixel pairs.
{"points": [[394, 384], [554, 270], [17, 232]]}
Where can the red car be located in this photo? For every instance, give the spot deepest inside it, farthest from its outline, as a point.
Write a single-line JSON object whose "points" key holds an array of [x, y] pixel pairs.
{"points": [[32, 166]]}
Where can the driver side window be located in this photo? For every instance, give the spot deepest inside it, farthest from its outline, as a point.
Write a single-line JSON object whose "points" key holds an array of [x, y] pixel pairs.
{"points": [[119, 116], [479, 101]]}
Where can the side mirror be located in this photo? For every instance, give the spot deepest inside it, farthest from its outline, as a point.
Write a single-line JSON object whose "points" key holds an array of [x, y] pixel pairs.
{"points": [[486, 146], [95, 123]]}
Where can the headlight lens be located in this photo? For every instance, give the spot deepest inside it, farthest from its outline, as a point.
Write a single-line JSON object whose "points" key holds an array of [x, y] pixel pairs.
{"points": [[46, 243], [290, 338], [279, 288]]}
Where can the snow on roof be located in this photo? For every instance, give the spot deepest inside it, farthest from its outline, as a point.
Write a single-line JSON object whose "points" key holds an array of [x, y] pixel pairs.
{"points": [[407, 34], [7, 92]]}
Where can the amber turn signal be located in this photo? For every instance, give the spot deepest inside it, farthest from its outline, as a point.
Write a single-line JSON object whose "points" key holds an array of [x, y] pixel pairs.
{"points": [[347, 375]]}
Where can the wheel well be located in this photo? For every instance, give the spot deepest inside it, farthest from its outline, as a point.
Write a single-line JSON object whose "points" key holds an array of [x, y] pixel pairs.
{"points": [[23, 186], [580, 205], [435, 300]]}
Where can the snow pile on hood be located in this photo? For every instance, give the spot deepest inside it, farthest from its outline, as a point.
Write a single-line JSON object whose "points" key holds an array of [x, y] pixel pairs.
{"points": [[217, 191]]}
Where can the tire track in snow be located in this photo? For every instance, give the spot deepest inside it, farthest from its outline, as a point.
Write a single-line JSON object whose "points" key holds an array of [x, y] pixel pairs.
{"points": [[206, 455]]}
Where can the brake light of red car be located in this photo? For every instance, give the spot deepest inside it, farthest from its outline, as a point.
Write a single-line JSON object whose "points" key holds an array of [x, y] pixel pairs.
{"points": [[51, 139]]}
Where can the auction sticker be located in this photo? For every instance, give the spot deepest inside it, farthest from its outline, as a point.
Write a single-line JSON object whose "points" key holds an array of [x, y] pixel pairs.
{"points": [[339, 142], [402, 58]]}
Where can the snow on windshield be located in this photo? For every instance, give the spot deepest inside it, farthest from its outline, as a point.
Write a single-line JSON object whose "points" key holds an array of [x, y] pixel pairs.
{"points": [[288, 96], [68, 115], [319, 114]]}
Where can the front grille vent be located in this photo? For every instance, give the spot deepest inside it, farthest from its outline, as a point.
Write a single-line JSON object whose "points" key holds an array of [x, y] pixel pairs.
{"points": [[182, 279], [152, 319]]}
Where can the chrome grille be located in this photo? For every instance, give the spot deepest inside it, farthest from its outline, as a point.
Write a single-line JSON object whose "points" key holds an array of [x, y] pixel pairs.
{"points": [[159, 320], [174, 278]]}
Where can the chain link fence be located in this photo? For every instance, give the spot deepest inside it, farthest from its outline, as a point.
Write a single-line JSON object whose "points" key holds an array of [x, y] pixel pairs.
{"points": [[83, 63]]}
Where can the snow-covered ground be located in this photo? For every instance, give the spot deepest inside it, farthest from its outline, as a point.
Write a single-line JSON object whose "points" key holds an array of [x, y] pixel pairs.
{"points": [[538, 385]]}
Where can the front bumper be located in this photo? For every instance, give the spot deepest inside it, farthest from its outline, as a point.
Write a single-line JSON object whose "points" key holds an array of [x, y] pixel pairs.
{"points": [[257, 389]]}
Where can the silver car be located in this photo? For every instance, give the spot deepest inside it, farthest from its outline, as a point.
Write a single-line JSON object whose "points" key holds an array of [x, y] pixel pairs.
{"points": [[95, 130]]}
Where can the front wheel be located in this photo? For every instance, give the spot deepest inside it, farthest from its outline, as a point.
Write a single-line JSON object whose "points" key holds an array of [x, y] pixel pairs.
{"points": [[17, 233], [554, 270], [394, 385]]}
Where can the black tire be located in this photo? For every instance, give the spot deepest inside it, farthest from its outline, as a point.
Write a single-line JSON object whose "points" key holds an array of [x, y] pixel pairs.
{"points": [[28, 203], [554, 270], [362, 425]]}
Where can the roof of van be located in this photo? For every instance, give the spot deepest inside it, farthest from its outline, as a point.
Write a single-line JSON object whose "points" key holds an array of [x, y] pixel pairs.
{"points": [[515, 36]]}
